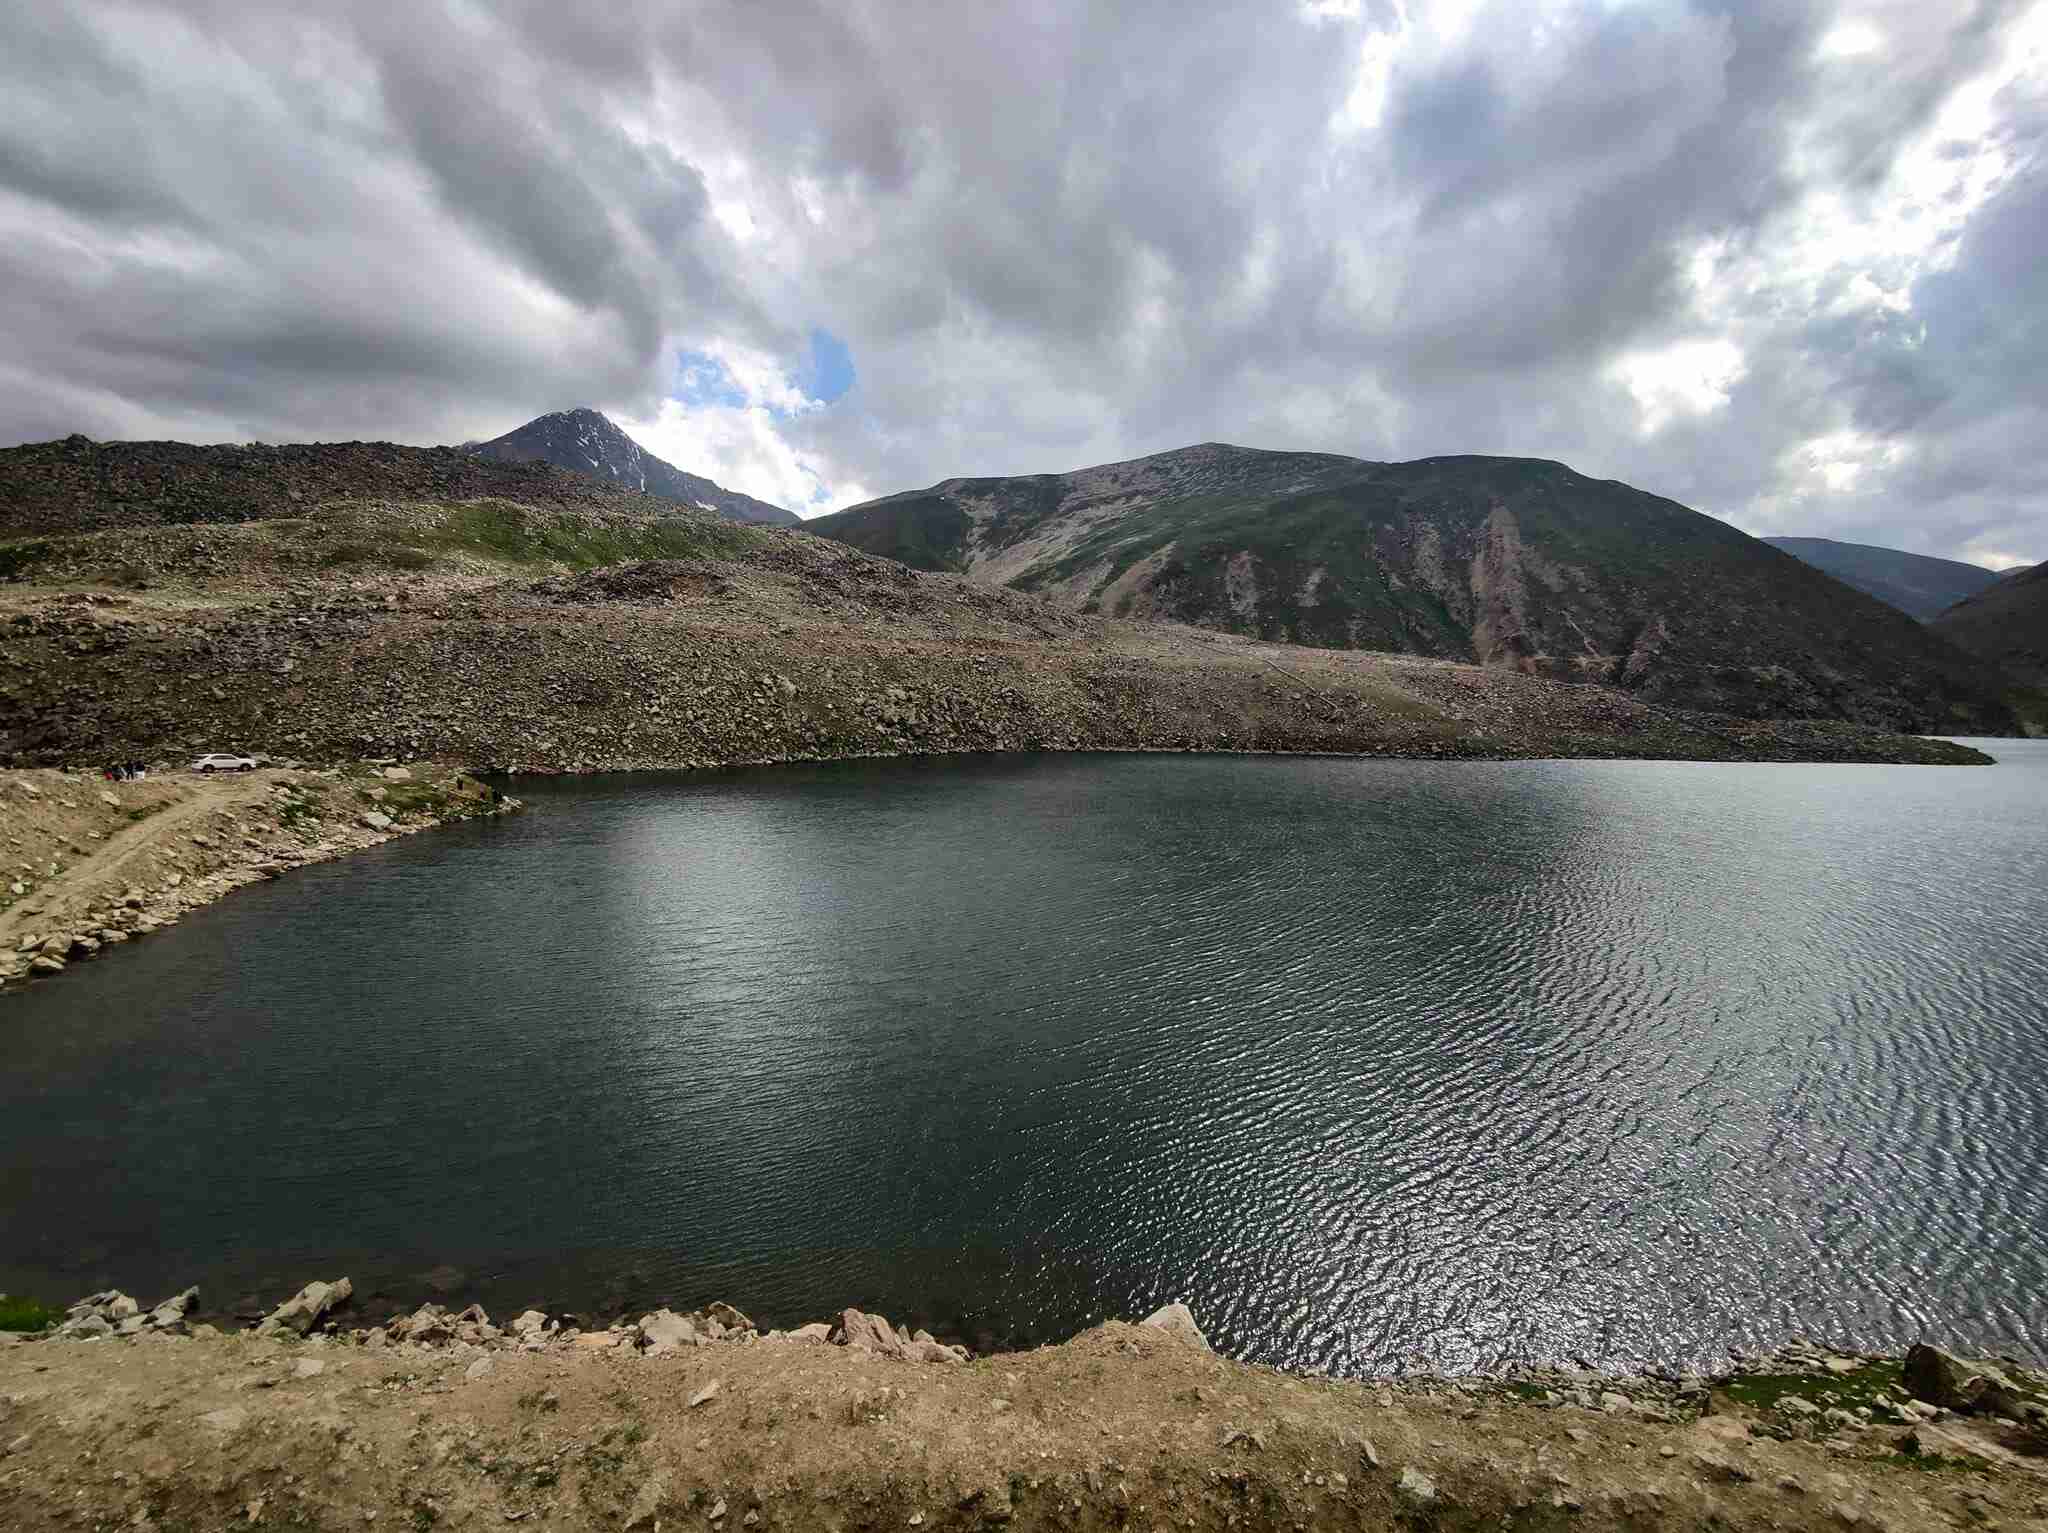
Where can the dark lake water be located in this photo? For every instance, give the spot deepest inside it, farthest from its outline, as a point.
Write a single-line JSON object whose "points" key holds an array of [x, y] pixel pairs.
{"points": [[1367, 1061]]}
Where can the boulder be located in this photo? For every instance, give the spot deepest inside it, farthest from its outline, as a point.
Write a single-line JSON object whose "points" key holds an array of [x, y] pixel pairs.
{"points": [[397, 774], [665, 1331], [817, 1330], [170, 1315], [870, 1331], [1956, 1384], [1415, 1487], [1177, 1320], [428, 1324], [530, 1324], [729, 1317], [307, 1308], [376, 821]]}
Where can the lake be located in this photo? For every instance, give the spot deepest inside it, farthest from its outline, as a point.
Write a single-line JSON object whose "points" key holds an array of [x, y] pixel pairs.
{"points": [[1374, 1063]]}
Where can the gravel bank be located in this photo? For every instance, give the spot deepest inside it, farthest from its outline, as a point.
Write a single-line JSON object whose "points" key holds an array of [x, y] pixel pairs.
{"points": [[443, 1418]]}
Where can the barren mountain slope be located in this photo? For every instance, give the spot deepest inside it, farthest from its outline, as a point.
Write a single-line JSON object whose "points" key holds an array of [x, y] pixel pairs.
{"points": [[585, 442], [1514, 563], [494, 634]]}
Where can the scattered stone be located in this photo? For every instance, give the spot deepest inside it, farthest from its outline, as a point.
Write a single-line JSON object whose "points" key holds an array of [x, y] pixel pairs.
{"points": [[648, 1501], [1416, 1487], [308, 1368], [1177, 1319], [705, 1395], [307, 1308]]}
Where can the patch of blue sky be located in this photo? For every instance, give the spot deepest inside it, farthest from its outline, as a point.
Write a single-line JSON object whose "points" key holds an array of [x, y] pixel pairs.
{"points": [[701, 379], [828, 372]]}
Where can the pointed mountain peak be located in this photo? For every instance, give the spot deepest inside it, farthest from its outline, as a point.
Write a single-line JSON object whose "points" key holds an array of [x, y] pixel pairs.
{"points": [[586, 441]]}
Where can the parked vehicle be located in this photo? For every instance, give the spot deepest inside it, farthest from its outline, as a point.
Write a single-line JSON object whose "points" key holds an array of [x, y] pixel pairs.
{"points": [[224, 763]]}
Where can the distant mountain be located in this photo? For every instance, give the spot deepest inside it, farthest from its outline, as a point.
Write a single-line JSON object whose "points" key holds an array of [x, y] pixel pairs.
{"points": [[1512, 562], [585, 442], [1917, 585], [2007, 625]]}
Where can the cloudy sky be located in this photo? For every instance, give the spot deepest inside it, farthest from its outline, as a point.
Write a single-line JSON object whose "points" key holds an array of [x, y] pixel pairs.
{"points": [[1780, 260]]}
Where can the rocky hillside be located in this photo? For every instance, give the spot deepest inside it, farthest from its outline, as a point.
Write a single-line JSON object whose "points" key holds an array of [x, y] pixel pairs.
{"points": [[2007, 625], [1514, 563], [1917, 585], [79, 485], [585, 442], [493, 634]]}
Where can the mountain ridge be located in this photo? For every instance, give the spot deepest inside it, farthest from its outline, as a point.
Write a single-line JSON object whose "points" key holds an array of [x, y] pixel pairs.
{"points": [[1513, 562], [75, 484], [1919, 585], [585, 441]]}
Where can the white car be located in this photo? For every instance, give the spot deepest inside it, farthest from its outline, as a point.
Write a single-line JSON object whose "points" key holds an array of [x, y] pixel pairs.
{"points": [[223, 763]]}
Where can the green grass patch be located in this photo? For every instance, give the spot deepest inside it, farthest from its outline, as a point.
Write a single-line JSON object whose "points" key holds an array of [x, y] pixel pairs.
{"points": [[1931, 1463], [357, 552], [503, 530], [26, 1314], [1846, 1391]]}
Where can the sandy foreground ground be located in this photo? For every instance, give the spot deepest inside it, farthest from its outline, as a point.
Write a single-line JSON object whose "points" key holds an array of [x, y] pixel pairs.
{"points": [[1125, 1426]]}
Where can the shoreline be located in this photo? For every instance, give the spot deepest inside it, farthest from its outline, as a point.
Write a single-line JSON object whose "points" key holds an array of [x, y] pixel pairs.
{"points": [[102, 863], [705, 1420], [74, 913]]}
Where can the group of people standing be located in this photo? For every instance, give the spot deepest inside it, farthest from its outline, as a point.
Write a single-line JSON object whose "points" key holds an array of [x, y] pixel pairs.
{"points": [[127, 771]]}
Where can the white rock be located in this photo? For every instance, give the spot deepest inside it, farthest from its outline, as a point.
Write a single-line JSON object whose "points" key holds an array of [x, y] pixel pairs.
{"points": [[1178, 1320]]}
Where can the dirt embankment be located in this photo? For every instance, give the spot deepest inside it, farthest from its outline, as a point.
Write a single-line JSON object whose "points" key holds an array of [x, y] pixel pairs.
{"points": [[774, 646], [442, 1419], [90, 863]]}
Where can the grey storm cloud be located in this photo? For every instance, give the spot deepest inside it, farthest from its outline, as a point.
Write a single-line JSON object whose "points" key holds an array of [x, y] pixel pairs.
{"points": [[1059, 233]]}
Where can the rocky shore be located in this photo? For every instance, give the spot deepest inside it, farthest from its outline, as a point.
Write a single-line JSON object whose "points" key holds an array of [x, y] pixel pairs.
{"points": [[91, 864], [122, 1415]]}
